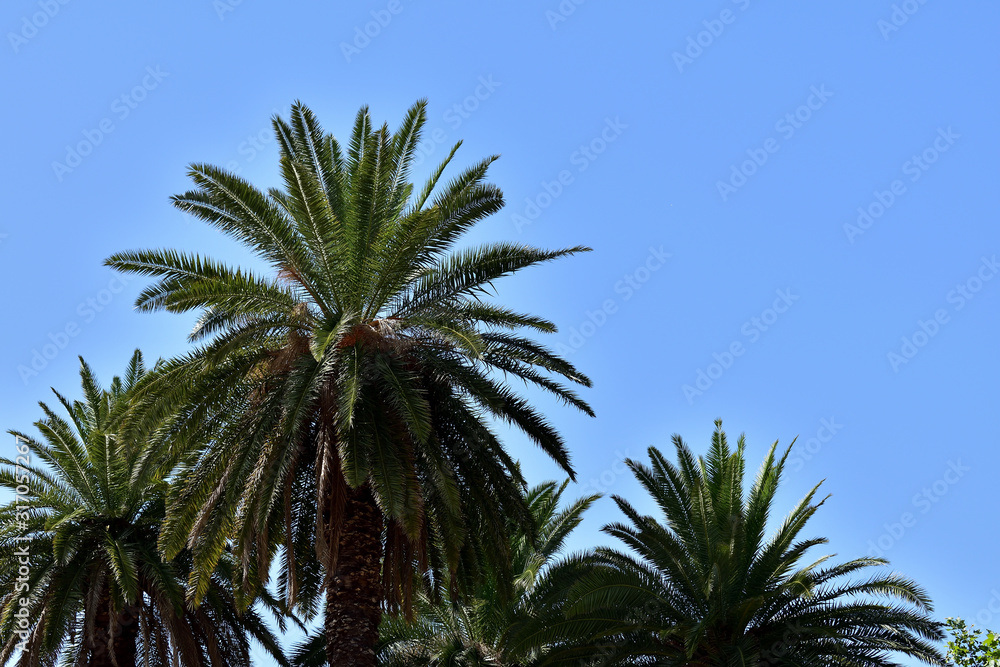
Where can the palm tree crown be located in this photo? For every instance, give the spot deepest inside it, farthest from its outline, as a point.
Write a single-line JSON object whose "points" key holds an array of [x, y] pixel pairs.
{"points": [[97, 591], [347, 394], [708, 587]]}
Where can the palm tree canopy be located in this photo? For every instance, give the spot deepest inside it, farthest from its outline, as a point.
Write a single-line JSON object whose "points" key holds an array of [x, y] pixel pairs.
{"points": [[368, 359], [90, 506], [706, 585]]}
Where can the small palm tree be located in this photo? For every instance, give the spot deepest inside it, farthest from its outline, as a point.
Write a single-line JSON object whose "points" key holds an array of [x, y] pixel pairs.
{"points": [[82, 581], [705, 587], [347, 395], [488, 628]]}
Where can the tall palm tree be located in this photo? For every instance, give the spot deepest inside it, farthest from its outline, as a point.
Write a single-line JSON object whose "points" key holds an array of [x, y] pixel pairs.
{"points": [[347, 395], [487, 628], [82, 581], [706, 587]]}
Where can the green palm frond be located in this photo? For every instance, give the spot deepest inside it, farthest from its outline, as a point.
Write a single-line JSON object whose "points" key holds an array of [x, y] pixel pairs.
{"points": [[97, 498], [365, 364], [704, 584]]}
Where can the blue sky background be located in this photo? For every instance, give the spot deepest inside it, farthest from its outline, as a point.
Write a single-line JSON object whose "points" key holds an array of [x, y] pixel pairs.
{"points": [[539, 85]]}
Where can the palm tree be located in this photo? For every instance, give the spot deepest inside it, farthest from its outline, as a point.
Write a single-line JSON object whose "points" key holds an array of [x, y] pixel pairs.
{"points": [[81, 578], [706, 588], [347, 395], [489, 627]]}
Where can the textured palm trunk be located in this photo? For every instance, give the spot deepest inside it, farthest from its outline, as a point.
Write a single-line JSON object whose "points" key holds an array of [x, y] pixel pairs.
{"points": [[354, 589], [114, 645]]}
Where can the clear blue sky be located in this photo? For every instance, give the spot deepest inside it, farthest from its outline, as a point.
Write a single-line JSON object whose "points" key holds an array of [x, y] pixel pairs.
{"points": [[715, 155]]}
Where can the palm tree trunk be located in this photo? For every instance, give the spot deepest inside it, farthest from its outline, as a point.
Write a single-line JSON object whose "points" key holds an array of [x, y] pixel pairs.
{"points": [[114, 644], [354, 589]]}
